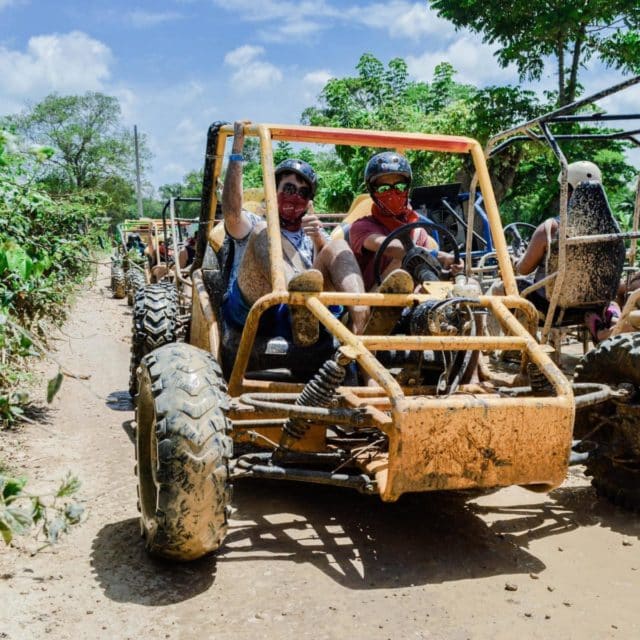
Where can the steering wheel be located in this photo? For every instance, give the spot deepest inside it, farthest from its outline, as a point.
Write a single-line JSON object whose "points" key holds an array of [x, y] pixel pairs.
{"points": [[418, 261], [518, 244]]}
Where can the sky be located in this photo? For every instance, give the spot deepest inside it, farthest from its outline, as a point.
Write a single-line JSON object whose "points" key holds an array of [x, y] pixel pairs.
{"points": [[176, 66]]}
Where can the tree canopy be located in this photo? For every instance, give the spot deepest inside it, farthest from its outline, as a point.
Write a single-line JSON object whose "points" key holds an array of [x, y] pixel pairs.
{"points": [[529, 32], [91, 147], [386, 99]]}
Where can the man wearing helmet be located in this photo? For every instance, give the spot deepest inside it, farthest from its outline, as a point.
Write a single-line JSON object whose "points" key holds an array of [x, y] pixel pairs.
{"points": [[311, 262], [388, 178]]}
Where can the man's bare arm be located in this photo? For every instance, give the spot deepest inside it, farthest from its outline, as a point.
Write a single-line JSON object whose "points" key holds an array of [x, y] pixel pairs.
{"points": [[236, 221], [394, 250], [535, 252]]}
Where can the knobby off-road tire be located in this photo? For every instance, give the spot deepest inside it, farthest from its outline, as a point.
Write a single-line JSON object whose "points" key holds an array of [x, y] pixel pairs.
{"points": [[118, 285], [182, 452], [615, 465], [155, 323], [135, 280]]}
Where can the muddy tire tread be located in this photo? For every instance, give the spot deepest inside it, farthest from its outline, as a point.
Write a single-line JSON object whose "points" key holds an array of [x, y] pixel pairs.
{"points": [[118, 284], [155, 323], [134, 281], [615, 361], [193, 451]]}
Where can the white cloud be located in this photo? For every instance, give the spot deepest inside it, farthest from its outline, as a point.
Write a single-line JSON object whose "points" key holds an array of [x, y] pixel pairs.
{"points": [[401, 19], [473, 61], [243, 55], [291, 21], [317, 78], [301, 20], [292, 30], [277, 9], [67, 63], [7, 3], [140, 18], [251, 73]]}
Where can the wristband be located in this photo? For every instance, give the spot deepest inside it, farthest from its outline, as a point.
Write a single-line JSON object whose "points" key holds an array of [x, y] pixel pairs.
{"points": [[236, 157], [434, 253]]}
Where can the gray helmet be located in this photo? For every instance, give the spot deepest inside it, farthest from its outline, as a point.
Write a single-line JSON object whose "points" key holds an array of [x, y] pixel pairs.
{"points": [[385, 163], [580, 171], [300, 168]]}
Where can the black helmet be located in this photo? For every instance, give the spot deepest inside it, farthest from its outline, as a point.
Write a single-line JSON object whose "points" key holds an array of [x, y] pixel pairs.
{"points": [[300, 168], [385, 163]]}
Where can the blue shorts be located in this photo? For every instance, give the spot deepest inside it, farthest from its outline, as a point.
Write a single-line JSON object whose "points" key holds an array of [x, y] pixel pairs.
{"points": [[275, 321]]}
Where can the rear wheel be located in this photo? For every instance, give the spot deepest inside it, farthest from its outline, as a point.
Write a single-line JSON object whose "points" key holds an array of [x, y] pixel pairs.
{"points": [[614, 426], [182, 452], [118, 282], [135, 280], [155, 323]]}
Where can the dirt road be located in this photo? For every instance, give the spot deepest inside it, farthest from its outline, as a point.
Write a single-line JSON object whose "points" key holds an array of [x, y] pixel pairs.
{"points": [[300, 562]]}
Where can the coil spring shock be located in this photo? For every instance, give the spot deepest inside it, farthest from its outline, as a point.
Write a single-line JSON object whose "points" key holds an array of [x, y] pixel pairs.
{"points": [[537, 380], [318, 392]]}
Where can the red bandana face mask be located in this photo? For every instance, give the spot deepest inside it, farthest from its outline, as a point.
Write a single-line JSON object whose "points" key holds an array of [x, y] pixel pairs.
{"points": [[392, 209], [392, 202], [291, 209]]}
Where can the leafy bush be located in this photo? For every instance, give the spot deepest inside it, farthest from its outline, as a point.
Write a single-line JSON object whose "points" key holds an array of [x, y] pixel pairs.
{"points": [[52, 515], [46, 246]]}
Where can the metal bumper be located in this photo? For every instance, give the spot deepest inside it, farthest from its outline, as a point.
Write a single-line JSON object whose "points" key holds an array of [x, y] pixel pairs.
{"points": [[475, 442]]}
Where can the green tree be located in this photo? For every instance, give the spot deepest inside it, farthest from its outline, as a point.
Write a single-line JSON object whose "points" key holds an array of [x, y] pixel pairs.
{"points": [[91, 146], [190, 187], [571, 33], [385, 99]]}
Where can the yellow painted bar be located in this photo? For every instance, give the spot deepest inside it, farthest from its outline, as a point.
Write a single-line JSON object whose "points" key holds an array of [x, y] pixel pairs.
{"points": [[495, 223], [273, 220]]}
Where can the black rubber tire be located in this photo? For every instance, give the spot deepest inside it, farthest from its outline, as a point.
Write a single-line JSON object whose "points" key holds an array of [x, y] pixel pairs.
{"points": [[118, 285], [135, 280], [615, 464], [155, 323], [182, 452]]}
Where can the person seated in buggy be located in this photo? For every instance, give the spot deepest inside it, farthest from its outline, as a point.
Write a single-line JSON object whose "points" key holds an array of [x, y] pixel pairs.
{"points": [[388, 178], [134, 242], [311, 261]]}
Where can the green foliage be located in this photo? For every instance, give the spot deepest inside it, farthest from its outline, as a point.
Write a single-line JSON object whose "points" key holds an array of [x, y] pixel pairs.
{"points": [[534, 194], [190, 187], [382, 98], [46, 248], [78, 144], [52, 515], [531, 31]]}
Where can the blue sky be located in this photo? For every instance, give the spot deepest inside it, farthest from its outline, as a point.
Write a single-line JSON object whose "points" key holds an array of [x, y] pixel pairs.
{"points": [[178, 65]]}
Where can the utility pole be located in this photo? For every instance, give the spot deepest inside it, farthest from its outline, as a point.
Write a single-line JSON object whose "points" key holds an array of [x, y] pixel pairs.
{"points": [[138, 189]]}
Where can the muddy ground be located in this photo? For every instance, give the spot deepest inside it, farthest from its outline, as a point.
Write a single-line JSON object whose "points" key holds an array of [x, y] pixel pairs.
{"points": [[299, 562]]}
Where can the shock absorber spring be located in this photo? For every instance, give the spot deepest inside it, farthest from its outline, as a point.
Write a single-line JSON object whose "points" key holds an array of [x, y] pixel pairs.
{"points": [[318, 392]]}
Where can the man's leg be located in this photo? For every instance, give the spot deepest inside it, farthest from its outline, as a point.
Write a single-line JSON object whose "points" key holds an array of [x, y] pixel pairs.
{"points": [[341, 272]]}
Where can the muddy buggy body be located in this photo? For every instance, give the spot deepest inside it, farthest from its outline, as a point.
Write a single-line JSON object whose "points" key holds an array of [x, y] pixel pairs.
{"points": [[420, 429]]}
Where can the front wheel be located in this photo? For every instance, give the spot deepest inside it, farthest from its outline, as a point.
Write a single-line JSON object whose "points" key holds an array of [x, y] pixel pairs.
{"points": [[182, 452], [134, 281]]}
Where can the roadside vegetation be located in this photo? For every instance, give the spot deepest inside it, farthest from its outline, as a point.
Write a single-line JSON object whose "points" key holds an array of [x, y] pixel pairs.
{"points": [[55, 210]]}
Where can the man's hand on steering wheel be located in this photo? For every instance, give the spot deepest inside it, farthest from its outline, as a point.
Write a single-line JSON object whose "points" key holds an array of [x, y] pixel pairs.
{"points": [[449, 263]]}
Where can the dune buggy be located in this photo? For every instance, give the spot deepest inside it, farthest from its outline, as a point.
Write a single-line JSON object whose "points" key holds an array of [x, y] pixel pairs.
{"points": [[227, 404], [585, 266]]}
